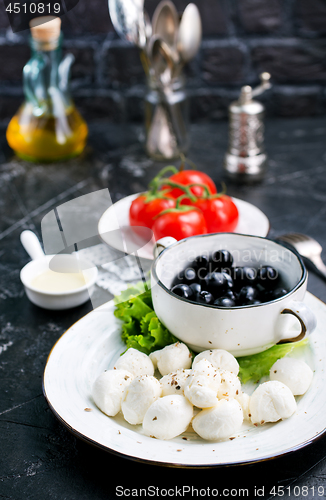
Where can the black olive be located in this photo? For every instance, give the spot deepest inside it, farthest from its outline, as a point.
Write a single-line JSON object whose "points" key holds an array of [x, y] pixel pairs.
{"points": [[200, 262], [196, 288], [224, 302], [205, 298], [190, 276], [222, 258], [216, 283], [230, 294], [183, 291], [247, 294], [268, 277], [202, 268], [274, 294], [187, 276], [244, 276], [227, 270], [279, 292], [228, 278], [261, 289]]}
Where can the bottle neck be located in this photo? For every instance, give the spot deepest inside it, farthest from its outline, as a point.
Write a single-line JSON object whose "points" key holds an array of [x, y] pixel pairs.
{"points": [[50, 53], [46, 78]]}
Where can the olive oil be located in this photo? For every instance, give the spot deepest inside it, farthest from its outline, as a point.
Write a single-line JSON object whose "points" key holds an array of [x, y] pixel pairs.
{"points": [[46, 138]]}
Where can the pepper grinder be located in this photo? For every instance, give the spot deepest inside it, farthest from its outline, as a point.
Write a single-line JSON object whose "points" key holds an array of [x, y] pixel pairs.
{"points": [[246, 158]]}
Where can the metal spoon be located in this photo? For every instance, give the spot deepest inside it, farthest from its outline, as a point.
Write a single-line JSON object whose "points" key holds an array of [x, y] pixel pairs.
{"points": [[165, 22], [163, 64], [308, 248], [190, 33], [144, 30], [163, 59], [161, 138], [125, 19]]}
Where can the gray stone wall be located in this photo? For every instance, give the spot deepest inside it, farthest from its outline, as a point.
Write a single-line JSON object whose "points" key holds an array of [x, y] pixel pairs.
{"points": [[241, 39]]}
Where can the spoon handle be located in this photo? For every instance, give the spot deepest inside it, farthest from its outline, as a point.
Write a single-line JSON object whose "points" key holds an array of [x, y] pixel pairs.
{"points": [[30, 242], [317, 261]]}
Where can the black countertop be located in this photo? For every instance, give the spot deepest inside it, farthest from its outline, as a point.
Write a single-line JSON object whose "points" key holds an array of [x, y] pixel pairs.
{"points": [[40, 458]]}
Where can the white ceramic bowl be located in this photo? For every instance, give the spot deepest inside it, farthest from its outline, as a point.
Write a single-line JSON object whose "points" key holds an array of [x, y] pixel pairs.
{"points": [[58, 300], [241, 330]]}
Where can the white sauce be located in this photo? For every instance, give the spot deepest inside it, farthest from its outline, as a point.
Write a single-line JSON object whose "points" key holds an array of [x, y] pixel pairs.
{"points": [[50, 281]]}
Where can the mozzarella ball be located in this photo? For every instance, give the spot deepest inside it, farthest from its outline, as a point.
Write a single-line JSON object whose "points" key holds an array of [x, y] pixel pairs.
{"points": [[230, 386], [135, 362], [138, 397], [221, 359], [108, 390], [294, 373], [270, 402], [244, 400], [219, 422], [174, 383], [168, 417], [171, 358], [202, 385]]}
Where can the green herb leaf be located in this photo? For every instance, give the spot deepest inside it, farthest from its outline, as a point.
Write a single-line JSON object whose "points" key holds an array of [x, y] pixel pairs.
{"points": [[256, 366]]}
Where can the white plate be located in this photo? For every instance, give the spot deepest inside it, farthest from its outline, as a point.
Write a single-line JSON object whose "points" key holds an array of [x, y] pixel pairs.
{"points": [[251, 221], [93, 344]]}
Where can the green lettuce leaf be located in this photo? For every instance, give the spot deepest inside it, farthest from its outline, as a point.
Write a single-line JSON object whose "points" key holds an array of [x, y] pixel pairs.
{"points": [[256, 366], [141, 328]]}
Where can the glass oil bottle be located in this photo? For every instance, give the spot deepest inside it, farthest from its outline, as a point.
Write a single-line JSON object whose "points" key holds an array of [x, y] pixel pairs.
{"points": [[47, 126]]}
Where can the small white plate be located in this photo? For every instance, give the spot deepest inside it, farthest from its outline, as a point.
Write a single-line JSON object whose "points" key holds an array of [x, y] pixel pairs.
{"points": [[251, 221], [93, 344]]}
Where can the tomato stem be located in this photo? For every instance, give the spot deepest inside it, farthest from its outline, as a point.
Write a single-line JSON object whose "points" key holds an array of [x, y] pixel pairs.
{"points": [[207, 193], [177, 185], [155, 182], [217, 195], [178, 208], [205, 188], [179, 200], [152, 195]]}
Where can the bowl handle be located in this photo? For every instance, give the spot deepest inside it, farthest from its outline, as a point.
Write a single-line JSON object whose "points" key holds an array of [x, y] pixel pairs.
{"points": [[162, 244], [306, 317], [31, 243]]}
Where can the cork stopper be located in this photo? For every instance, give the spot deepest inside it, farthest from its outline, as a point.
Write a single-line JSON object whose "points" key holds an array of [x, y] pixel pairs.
{"points": [[46, 28]]}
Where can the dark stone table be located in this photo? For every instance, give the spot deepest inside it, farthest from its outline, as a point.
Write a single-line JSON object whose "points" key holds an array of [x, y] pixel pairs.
{"points": [[39, 458]]}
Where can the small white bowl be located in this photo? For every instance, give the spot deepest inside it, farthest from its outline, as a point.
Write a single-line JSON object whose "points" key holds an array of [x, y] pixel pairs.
{"points": [[241, 330], [58, 300]]}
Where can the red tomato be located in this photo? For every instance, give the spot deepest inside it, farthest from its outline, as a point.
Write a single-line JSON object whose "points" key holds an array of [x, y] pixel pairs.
{"points": [[186, 177], [179, 224], [137, 211], [221, 214], [143, 210], [156, 206]]}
